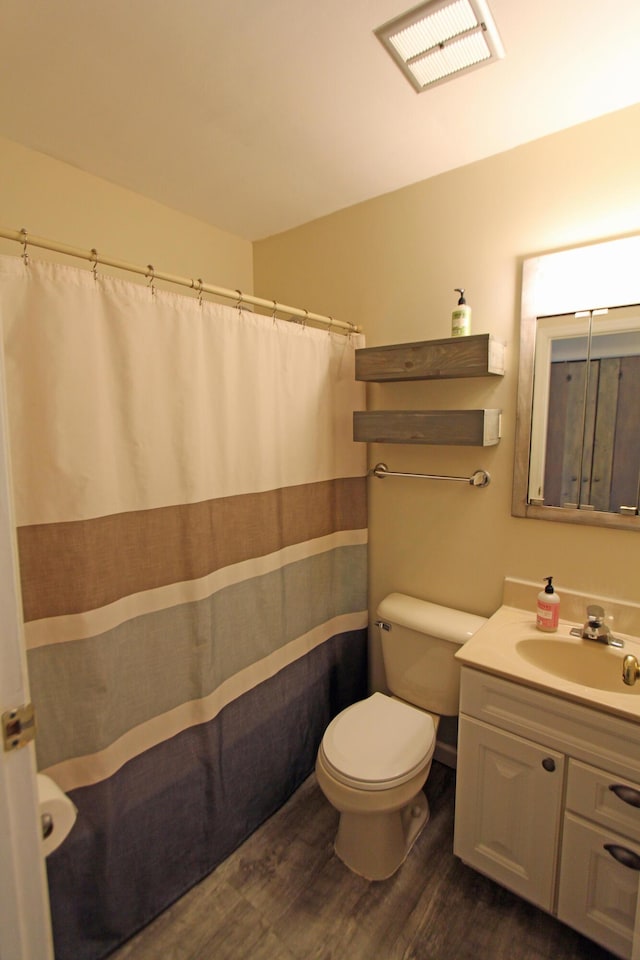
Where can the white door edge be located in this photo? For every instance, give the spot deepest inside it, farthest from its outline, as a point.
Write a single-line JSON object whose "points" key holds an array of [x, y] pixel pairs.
{"points": [[25, 928]]}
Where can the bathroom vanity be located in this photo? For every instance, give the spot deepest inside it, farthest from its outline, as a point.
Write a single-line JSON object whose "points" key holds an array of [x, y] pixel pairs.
{"points": [[548, 784]]}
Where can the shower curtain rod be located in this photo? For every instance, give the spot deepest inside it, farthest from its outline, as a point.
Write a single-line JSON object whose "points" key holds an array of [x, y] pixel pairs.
{"points": [[27, 240]]}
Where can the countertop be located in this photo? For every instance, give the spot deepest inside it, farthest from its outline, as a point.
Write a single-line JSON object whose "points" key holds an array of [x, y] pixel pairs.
{"points": [[509, 643]]}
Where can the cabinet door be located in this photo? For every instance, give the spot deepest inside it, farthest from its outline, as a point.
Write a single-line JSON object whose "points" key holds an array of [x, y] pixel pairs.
{"points": [[598, 892], [508, 808]]}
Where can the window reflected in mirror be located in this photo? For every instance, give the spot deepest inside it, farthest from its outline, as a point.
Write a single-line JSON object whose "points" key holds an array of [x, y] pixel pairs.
{"points": [[585, 432]]}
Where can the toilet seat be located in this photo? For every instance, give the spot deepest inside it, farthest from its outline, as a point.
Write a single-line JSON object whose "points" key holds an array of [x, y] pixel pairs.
{"points": [[378, 743]]}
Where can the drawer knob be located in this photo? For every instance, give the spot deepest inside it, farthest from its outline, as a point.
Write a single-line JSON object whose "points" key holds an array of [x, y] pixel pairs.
{"points": [[626, 794], [549, 764], [623, 855]]}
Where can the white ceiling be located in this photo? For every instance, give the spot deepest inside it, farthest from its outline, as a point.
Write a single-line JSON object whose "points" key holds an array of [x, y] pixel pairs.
{"points": [[259, 115]]}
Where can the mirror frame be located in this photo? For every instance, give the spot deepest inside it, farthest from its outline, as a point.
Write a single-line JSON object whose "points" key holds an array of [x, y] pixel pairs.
{"points": [[581, 278]]}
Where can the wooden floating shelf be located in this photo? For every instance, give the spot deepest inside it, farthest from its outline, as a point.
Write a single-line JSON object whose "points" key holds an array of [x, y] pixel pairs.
{"points": [[455, 357], [475, 428]]}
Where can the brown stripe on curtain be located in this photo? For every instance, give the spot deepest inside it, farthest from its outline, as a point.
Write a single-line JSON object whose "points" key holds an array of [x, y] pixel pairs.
{"points": [[81, 565]]}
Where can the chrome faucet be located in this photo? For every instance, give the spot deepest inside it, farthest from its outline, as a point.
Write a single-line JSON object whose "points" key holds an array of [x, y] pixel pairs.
{"points": [[596, 629]]}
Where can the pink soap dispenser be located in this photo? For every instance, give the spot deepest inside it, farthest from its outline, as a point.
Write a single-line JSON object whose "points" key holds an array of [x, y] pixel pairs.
{"points": [[548, 608]]}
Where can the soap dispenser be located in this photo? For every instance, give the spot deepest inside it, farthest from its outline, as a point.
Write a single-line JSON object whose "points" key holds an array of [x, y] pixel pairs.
{"points": [[461, 317], [548, 608]]}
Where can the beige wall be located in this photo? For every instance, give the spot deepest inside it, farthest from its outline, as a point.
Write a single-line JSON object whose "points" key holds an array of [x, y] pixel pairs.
{"points": [[391, 265], [54, 200]]}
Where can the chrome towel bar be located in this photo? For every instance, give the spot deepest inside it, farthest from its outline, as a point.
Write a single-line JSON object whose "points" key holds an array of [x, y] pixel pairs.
{"points": [[478, 479]]}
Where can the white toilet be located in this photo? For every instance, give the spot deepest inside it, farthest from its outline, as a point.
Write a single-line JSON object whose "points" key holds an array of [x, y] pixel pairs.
{"points": [[375, 756]]}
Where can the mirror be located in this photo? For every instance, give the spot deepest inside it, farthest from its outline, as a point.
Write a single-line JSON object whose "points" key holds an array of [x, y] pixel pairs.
{"points": [[577, 456]]}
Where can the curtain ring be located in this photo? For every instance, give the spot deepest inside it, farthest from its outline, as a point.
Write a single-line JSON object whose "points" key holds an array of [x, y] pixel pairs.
{"points": [[330, 324], [151, 277], [273, 312], [239, 301], [197, 285], [306, 317], [25, 255], [94, 261]]}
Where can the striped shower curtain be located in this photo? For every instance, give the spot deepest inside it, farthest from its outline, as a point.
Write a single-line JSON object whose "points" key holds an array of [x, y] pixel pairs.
{"points": [[191, 518]]}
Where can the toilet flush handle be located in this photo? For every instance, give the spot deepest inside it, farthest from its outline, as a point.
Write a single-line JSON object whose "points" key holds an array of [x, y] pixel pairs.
{"points": [[382, 624]]}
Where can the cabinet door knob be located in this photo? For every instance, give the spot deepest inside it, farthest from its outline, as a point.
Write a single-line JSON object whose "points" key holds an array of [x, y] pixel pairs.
{"points": [[626, 794], [549, 764], [623, 855]]}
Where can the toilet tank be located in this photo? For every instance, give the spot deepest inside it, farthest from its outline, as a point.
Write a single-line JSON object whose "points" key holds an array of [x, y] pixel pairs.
{"points": [[419, 642]]}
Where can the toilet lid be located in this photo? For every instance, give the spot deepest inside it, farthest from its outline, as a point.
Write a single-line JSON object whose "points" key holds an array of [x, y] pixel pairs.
{"points": [[378, 740]]}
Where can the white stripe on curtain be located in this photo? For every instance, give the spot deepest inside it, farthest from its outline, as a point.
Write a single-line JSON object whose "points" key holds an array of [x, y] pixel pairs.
{"points": [[140, 379]]}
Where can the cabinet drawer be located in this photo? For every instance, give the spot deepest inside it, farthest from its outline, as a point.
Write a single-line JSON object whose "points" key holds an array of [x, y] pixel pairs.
{"points": [[598, 894], [604, 798], [582, 732]]}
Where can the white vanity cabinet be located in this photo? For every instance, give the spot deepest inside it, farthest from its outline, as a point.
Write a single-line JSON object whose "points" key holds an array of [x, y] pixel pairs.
{"points": [[548, 804]]}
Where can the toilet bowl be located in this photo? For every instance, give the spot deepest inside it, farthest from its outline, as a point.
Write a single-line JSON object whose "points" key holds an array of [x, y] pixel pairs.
{"points": [[374, 760], [376, 755]]}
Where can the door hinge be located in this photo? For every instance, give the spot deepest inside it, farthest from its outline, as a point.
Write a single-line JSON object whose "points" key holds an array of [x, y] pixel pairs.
{"points": [[18, 727]]}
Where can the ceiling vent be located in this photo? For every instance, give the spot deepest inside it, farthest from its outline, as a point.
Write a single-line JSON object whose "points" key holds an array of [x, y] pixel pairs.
{"points": [[441, 39]]}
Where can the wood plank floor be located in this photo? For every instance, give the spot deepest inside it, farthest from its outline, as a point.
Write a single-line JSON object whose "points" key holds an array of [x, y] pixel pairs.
{"points": [[284, 895]]}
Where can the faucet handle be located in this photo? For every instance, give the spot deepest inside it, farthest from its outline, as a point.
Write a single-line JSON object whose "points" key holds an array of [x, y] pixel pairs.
{"points": [[630, 670], [595, 615]]}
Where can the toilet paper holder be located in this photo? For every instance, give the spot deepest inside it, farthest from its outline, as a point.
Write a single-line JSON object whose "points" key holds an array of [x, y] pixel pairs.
{"points": [[58, 814], [46, 821]]}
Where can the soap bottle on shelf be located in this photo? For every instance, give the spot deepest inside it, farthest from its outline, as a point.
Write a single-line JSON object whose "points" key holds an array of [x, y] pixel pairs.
{"points": [[548, 608], [461, 317]]}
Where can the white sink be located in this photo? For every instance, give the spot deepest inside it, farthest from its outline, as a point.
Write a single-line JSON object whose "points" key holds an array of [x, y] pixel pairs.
{"points": [[586, 662], [509, 645]]}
